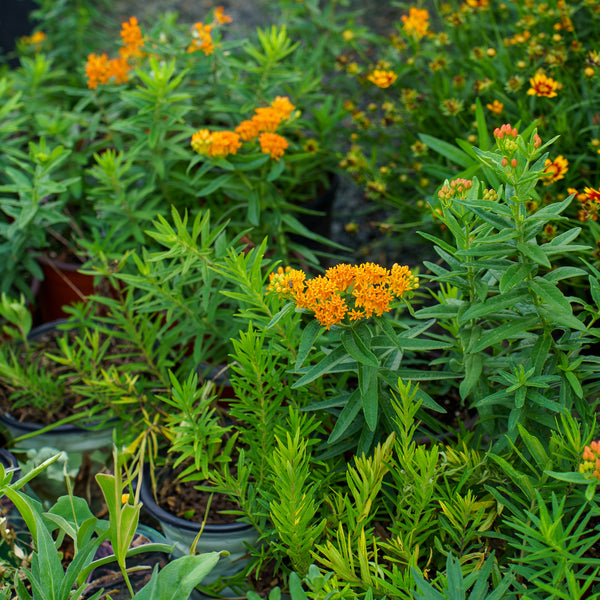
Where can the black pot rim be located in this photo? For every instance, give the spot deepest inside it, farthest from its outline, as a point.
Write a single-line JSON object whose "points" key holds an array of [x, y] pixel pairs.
{"points": [[162, 515], [8, 420], [8, 459]]}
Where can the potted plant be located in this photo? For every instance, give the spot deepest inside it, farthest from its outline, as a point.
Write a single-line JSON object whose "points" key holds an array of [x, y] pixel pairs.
{"points": [[73, 520]]}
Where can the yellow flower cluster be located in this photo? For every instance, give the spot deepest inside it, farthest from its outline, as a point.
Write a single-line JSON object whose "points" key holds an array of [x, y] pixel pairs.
{"points": [[100, 70], [345, 291], [416, 23], [261, 126], [591, 460]]}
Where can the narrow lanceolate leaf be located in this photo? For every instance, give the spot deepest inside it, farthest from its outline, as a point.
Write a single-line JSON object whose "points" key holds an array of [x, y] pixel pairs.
{"points": [[494, 304], [473, 370], [322, 367], [367, 383], [451, 152], [534, 252], [550, 294], [357, 348], [504, 332], [309, 335], [514, 275], [347, 416]]}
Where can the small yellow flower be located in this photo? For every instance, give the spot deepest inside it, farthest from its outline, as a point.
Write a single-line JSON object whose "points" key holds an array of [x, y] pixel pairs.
{"points": [[496, 107], [201, 141], [124, 498], [382, 79], [541, 85], [555, 169]]}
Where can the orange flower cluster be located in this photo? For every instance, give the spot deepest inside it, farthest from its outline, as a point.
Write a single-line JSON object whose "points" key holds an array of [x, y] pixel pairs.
{"points": [[345, 291], [202, 34], [591, 460], [273, 144], [542, 85], [590, 203], [416, 23], [382, 79], [555, 169], [133, 40], [261, 126], [202, 39], [216, 143], [35, 39], [100, 70]]}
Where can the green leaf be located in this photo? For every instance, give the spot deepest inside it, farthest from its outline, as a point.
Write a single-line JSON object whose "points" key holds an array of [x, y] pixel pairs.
{"points": [[286, 310], [570, 476], [494, 304], [324, 366], [346, 416], [179, 577], [254, 208], [473, 370], [450, 151], [357, 348], [309, 335], [514, 275], [534, 252], [504, 332], [367, 383], [214, 185], [550, 294]]}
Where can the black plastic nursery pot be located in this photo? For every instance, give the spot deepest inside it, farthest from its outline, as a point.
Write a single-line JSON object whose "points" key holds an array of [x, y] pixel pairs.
{"points": [[9, 462], [235, 537]]}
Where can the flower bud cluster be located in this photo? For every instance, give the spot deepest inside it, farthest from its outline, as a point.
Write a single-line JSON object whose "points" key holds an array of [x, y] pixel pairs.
{"points": [[457, 188], [591, 460], [490, 195], [506, 138]]}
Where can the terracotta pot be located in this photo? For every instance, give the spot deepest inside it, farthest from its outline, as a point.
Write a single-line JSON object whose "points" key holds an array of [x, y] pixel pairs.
{"points": [[62, 285]]}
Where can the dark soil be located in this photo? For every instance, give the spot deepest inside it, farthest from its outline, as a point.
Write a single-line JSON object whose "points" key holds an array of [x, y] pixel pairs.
{"points": [[183, 500]]}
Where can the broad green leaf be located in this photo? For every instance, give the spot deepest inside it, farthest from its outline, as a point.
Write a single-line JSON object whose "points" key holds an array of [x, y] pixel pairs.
{"points": [[473, 370], [357, 348], [179, 577]]}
